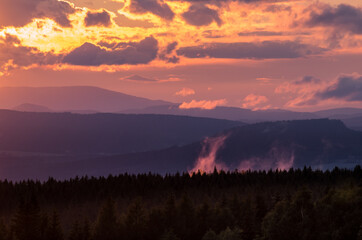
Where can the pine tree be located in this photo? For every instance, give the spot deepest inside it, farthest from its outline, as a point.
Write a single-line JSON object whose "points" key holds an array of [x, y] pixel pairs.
{"points": [[27, 221], [186, 218], [204, 219], [44, 225], [169, 235], [170, 212], [210, 235], [135, 221], [229, 234], [360, 233], [86, 233], [75, 232], [107, 225], [4, 234], [260, 211], [54, 230]]}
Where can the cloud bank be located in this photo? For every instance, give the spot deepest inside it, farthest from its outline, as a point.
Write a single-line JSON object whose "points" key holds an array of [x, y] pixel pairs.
{"points": [[97, 19], [156, 7], [343, 17], [13, 55], [250, 50], [201, 15], [18, 13], [127, 53]]}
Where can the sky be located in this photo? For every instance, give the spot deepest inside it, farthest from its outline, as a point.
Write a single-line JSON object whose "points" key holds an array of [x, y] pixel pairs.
{"points": [[258, 54]]}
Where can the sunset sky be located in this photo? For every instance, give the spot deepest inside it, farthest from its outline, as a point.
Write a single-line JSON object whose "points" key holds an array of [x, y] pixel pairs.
{"points": [[258, 54]]}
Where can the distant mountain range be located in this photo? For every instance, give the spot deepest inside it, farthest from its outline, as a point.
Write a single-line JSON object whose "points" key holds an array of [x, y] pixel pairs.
{"points": [[85, 100], [68, 131], [73, 99], [318, 143], [28, 107], [102, 133], [230, 113]]}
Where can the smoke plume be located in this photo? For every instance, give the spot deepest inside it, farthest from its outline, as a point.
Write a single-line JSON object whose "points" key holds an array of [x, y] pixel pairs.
{"points": [[206, 161], [277, 158]]}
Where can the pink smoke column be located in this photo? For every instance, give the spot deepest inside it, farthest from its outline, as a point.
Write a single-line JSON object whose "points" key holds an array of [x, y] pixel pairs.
{"points": [[207, 158]]}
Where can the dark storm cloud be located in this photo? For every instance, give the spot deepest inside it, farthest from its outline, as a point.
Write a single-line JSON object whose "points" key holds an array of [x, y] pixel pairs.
{"points": [[261, 33], [127, 53], [170, 47], [138, 78], [343, 17], [278, 8], [21, 12], [201, 15], [156, 7], [97, 19], [223, 1], [347, 87], [249, 50], [307, 80], [165, 55]]}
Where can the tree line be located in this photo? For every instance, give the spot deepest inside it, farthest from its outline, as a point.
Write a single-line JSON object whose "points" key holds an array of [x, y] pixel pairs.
{"points": [[297, 204]]}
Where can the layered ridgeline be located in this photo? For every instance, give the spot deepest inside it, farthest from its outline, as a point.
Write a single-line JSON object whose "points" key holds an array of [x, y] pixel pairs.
{"points": [[72, 99], [318, 143], [101, 133], [87, 99], [230, 113]]}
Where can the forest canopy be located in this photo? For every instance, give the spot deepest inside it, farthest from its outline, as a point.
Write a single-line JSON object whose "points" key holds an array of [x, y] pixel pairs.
{"points": [[252, 205]]}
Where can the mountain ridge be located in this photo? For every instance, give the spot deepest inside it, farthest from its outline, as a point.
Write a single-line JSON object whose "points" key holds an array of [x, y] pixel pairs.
{"points": [[320, 143], [76, 98]]}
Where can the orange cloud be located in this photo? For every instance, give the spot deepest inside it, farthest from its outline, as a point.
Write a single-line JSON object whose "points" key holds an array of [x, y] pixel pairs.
{"points": [[185, 92], [252, 101], [203, 104]]}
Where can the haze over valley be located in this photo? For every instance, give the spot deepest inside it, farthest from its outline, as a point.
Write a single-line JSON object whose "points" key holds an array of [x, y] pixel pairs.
{"points": [[52, 136]]}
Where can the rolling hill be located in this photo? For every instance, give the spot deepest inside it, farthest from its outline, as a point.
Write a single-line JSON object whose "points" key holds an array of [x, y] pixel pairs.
{"points": [[229, 113], [102, 133], [318, 143], [73, 99], [28, 107]]}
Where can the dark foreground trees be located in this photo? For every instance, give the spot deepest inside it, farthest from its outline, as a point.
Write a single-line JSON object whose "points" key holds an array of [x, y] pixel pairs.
{"points": [[273, 205]]}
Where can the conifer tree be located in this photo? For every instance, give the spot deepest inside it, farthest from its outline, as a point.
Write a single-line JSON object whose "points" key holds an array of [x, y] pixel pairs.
{"points": [[135, 221], [360, 233], [169, 235], [170, 212], [186, 218], [210, 235], [107, 225], [4, 234], [229, 234], [44, 225], [86, 233], [27, 220], [75, 232], [54, 230]]}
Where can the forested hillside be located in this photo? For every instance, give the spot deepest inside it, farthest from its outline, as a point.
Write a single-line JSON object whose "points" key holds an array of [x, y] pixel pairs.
{"points": [[294, 204], [102, 133]]}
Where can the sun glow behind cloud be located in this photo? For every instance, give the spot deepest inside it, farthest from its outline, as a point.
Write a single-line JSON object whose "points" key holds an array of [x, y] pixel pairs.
{"points": [[188, 34]]}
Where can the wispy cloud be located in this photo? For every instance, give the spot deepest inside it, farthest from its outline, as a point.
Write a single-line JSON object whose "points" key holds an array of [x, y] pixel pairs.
{"points": [[253, 101], [142, 79], [203, 104], [185, 92]]}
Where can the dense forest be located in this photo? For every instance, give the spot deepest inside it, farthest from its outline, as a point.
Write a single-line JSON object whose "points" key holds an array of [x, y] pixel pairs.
{"points": [[253, 205]]}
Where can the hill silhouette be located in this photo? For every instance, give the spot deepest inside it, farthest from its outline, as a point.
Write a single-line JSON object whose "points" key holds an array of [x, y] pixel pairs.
{"points": [[73, 98], [102, 133], [320, 143]]}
